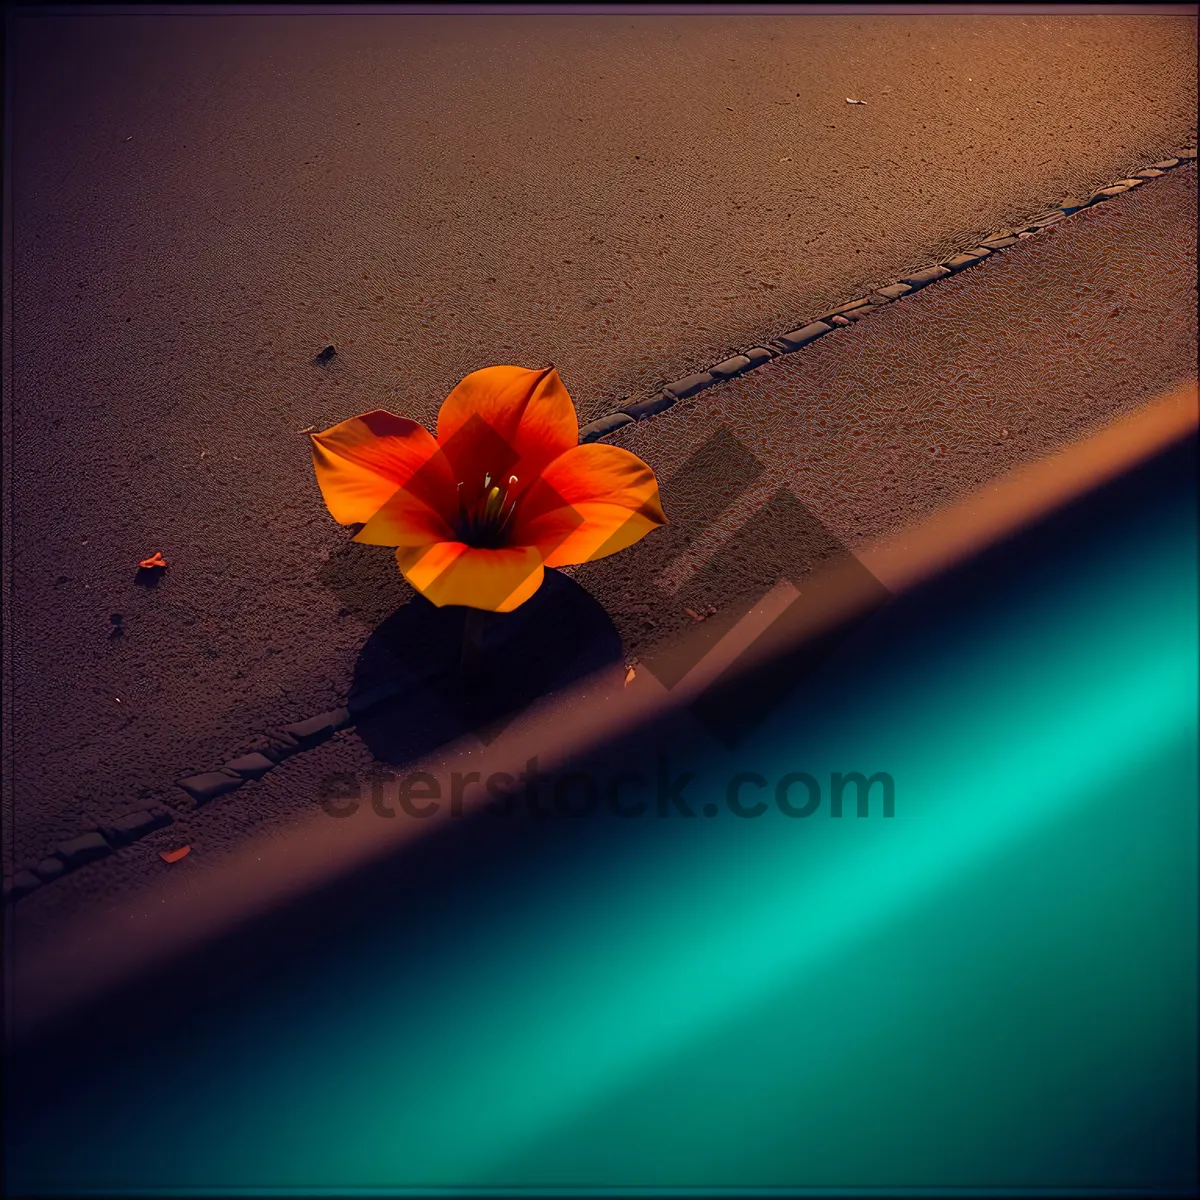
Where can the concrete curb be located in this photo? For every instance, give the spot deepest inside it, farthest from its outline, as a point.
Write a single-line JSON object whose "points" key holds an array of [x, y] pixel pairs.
{"points": [[206, 786]]}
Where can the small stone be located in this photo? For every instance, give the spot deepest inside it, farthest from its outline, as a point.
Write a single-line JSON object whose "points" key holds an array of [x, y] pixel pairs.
{"points": [[842, 309], [250, 766], [642, 409], [325, 355], [887, 294], [280, 746], [49, 868], [603, 426], [1129, 183], [210, 784], [961, 261], [689, 385], [318, 729], [759, 355], [21, 884], [1103, 194], [135, 825], [1072, 204], [1165, 165], [84, 849], [1150, 173], [801, 337], [729, 368], [839, 321], [923, 278]]}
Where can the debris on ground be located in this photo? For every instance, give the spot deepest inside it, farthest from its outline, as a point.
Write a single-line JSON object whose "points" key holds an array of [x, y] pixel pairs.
{"points": [[171, 856], [155, 561], [306, 429], [849, 101], [629, 676], [325, 355]]}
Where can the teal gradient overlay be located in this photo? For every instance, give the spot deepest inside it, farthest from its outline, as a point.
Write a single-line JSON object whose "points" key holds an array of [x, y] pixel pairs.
{"points": [[995, 987]]}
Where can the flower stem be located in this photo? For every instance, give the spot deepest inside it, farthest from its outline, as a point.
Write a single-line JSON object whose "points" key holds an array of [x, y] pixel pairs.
{"points": [[474, 625]]}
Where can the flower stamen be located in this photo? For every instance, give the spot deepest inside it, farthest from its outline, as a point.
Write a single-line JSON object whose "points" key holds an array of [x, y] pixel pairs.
{"points": [[483, 522]]}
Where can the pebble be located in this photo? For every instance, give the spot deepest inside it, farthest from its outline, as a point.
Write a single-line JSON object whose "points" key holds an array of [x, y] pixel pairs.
{"points": [[801, 337], [689, 385], [892, 292], [642, 409], [923, 278], [317, 729], [961, 261], [731, 367], [250, 766], [282, 745], [83, 849], [325, 355], [208, 785], [604, 426], [842, 309], [132, 826]]}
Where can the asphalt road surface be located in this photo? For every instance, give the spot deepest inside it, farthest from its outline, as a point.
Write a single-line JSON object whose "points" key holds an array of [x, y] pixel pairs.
{"points": [[200, 203]]}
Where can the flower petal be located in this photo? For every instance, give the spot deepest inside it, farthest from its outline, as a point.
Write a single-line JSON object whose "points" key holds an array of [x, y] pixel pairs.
{"points": [[454, 573], [590, 502], [405, 520], [361, 462], [506, 420]]}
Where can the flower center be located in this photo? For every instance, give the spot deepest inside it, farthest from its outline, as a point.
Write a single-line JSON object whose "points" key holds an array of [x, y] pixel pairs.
{"points": [[485, 514]]}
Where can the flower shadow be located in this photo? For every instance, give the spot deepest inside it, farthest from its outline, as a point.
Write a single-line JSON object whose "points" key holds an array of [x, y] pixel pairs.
{"points": [[560, 635]]}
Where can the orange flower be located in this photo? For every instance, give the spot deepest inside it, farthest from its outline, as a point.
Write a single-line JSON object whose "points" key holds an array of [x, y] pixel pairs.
{"points": [[504, 491]]}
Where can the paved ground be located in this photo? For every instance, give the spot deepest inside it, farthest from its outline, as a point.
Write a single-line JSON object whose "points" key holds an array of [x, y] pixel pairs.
{"points": [[200, 203], [991, 368]]}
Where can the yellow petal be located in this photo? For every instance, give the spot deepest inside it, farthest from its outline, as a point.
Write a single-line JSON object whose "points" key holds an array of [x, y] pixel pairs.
{"points": [[361, 462], [453, 573], [590, 502], [506, 421]]}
